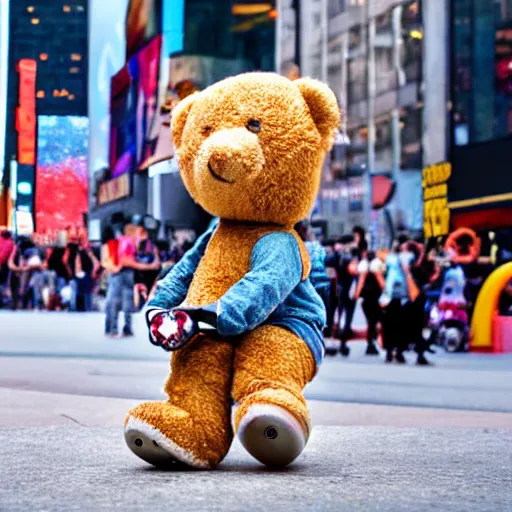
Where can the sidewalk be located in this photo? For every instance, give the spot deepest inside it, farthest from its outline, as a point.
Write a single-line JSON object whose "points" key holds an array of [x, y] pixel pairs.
{"points": [[72, 467], [22, 408]]}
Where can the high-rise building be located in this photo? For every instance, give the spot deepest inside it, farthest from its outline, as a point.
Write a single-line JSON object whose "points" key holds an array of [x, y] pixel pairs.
{"points": [[46, 82], [374, 55], [480, 188]]}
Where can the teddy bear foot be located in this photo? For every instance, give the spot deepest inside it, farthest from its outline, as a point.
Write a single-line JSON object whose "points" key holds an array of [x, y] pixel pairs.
{"points": [[271, 435], [153, 446]]}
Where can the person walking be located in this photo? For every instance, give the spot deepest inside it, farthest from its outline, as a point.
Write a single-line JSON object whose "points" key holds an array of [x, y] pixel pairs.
{"points": [[369, 287], [82, 265], [118, 258], [421, 273], [399, 289]]}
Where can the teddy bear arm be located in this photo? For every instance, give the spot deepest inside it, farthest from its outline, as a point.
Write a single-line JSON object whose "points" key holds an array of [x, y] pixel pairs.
{"points": [[172, 289], [276, 269]]}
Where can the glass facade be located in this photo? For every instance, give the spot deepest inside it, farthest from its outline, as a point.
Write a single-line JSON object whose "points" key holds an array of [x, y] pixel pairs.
{"points": [[232, 37], [482, 70]]}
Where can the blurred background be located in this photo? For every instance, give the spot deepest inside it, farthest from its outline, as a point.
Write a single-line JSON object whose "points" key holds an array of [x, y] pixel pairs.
{"points": [[420, 164]]}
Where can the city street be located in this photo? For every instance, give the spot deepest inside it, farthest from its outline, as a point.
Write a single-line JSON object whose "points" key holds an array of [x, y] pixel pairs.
{"points": [[386, 437]]}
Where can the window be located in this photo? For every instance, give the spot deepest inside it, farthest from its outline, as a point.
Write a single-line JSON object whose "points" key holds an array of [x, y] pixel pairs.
{"points": [[412, 38], [226, 43], [482, 70], [411, 127], [335, 7]]}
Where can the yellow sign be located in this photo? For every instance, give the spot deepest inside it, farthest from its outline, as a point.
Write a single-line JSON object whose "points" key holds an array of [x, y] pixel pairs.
{"points": [[436, 214], [114, 189]]}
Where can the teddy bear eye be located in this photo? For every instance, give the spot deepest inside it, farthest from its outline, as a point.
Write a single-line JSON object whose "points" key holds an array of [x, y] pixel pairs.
{"points": [[253, 125], [207, 130]]}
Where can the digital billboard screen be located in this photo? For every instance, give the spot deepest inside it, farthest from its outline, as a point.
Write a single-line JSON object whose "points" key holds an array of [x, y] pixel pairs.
{"points": [[61, 196], [134, 110]]}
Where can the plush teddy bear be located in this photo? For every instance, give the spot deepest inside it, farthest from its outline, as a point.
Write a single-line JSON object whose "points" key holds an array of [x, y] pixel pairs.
{"points": [[250, 150]]}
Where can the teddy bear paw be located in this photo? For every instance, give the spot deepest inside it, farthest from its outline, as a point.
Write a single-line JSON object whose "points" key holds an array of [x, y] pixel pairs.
{"points": [[152, 446], [271, 434]]}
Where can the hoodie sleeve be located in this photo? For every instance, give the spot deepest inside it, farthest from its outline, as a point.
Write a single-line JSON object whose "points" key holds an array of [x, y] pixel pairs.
{"points": [[276, 269]]}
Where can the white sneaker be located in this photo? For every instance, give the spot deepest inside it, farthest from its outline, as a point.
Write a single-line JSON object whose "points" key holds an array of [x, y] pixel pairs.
{"points": [[272, 435]]}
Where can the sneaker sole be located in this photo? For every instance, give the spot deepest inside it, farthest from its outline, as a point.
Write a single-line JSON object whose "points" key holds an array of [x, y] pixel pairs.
{"points": [[152, 446], [271, 435]]}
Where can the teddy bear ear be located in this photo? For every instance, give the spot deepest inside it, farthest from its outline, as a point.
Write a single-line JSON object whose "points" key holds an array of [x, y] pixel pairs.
{"points": [[179, 118], [323, 107]]}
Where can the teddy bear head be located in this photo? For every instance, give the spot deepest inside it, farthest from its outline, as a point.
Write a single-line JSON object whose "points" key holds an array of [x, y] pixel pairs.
{"points": [[251, 147]]}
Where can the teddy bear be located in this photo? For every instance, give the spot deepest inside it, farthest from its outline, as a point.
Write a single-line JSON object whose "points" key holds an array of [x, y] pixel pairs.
{"points": [[251, 150]]}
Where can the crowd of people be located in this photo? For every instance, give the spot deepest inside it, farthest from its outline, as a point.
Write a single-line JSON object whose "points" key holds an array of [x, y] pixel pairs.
{"points": [[78, 276], [394, 286]]}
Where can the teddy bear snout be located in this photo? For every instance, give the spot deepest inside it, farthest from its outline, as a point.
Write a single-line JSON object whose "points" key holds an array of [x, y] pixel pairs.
{"points": [[232, 153]]}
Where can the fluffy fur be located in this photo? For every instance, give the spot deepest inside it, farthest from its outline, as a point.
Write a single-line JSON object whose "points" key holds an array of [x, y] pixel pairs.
{"points": [[258, 181]]}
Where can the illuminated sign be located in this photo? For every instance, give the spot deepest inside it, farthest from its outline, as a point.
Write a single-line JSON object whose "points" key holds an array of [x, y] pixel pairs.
{"points": [[114, 189], [24, 223], [24, 188], [26, 112], [436, 214]]}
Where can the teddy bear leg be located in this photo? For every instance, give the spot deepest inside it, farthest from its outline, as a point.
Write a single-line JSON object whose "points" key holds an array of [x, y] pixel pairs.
{"points": [[272, 367], [194, 425]]}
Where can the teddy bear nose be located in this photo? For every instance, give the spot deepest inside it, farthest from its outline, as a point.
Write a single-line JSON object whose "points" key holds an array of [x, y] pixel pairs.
{"points": [[222, 165], [232, 153]]}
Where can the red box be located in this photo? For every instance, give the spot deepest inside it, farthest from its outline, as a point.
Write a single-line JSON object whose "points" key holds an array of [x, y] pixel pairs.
{"points": [[502, 333]]}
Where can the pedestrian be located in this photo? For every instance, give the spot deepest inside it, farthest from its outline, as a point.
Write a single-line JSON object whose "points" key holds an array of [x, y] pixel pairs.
{"points": [[82, 265], [147, 253], [118, 258], [319, 279], [399, 288], [344, 260], [369, 287], [6, 247], [17, 267], [415, 316]]}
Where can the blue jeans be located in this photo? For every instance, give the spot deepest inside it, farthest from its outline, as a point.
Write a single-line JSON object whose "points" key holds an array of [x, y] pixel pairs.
{"points": [[81, 299], [119, 297]]}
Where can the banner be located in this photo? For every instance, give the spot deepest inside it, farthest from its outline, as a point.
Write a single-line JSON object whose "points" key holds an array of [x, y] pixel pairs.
{"points": [[26, 112], [436, 214], [133, 108], [61, 174], [114, 189]]}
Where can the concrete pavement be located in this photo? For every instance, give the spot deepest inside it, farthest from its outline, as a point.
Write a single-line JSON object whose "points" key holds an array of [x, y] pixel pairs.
{"points": [[78, 359], [70, 467], [65, 390]]}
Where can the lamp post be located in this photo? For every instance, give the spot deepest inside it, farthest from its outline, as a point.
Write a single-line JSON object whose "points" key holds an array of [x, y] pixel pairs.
{"points": [[371, 90]]}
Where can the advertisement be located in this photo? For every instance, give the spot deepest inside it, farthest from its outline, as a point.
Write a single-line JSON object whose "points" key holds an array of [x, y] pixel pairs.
{"points": [[115, 189], [61, 173], [436, 214], [503, 57], [107, 49], [134, 99], [143, 24], [26, 112]]}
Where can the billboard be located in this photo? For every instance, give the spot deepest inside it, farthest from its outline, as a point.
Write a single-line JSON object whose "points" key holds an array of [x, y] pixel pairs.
{"points": [[133, 110], [107, 49], [143, 24], [61, 174]]}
